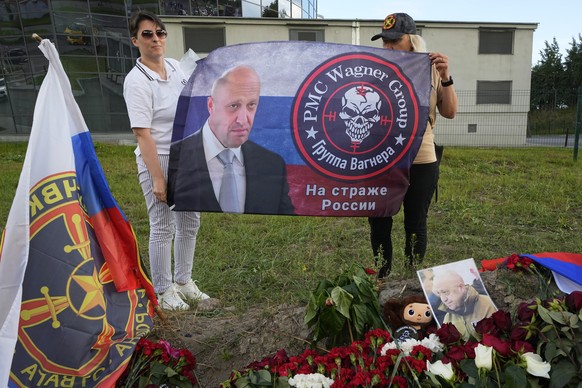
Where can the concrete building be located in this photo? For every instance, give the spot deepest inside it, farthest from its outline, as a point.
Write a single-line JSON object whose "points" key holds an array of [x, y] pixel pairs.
{"points": [[92, 38], [490, 62]]}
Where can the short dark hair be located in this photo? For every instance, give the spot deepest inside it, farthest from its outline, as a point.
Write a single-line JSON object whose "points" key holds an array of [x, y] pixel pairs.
{"points": [[140, 16]]}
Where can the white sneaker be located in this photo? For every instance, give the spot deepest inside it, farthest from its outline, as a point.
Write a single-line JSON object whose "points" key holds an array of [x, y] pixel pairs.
{"points": [[190, 291], [170, 300]]}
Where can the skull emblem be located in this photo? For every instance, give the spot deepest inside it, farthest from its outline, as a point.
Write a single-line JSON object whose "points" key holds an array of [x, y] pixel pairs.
{"points": [[360, 111]]}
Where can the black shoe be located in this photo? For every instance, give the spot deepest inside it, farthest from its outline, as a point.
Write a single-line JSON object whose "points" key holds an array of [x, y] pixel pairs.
{"points": [[384, 271]]}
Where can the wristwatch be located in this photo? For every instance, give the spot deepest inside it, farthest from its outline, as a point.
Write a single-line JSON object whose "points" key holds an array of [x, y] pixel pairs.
{"points": [[444, 84]]}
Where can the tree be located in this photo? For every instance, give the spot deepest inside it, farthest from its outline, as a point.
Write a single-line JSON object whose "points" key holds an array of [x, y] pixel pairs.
{"points": [[548, 80], [573, 68], [272, 11]]}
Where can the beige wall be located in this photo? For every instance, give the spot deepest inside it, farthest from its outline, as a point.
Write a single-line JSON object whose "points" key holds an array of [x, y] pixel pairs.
{"points": [[496, 124]]}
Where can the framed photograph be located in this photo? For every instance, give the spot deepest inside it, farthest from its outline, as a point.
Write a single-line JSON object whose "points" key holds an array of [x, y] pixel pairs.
{"points": [[457, 295]]}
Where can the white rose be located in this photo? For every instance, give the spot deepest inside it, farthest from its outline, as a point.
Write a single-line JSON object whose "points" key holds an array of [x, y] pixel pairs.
{"points": [[536, 366], [484, 357], [312, 380], [441, 369]]}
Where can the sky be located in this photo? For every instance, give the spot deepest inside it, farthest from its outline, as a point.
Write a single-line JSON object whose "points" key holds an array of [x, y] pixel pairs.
{"points": [[560, 19]]}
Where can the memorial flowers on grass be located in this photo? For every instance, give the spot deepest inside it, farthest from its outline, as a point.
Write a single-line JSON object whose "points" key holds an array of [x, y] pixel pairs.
{"points": [[540, 344], [158, 364]]}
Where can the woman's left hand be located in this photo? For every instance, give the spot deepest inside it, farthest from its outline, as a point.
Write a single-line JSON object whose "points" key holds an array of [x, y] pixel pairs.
{"points": [[441, 63]]}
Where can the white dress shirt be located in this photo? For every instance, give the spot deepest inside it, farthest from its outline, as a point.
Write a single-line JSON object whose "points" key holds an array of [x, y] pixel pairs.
{"points": [[213, 147]]}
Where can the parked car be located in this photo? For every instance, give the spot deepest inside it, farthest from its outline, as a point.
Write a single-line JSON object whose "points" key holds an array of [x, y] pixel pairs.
{"points": [[17, 56], [79, 34], [3, 91]]}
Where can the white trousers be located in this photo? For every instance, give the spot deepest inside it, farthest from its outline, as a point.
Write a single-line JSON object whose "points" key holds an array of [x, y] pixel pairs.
{"points": [[165, 226]]}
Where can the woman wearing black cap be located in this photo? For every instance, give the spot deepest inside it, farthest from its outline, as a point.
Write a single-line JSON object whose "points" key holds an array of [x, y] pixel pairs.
{"points": [[399, 33]]}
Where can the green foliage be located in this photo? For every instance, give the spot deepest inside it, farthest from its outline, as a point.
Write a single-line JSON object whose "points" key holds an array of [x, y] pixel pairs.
{"points": [[560, 342], [547, 78], [555, 80], [492, 202], [272, 10], [573, 62], [553, 121], [344, 309]]}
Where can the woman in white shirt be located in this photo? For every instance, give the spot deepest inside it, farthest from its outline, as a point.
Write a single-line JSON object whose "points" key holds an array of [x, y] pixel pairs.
{"points": [[151, 91]]}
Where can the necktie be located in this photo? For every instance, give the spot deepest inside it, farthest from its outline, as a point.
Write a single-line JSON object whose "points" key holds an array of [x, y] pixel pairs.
{"points": [[228, 197]]}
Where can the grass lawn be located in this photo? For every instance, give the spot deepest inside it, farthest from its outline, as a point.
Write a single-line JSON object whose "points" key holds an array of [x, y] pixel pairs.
{"points": [[491, 203]]}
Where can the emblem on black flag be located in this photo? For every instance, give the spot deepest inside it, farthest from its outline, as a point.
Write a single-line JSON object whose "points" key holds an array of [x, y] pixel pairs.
{"points": [[74, 327], [354, 116]]}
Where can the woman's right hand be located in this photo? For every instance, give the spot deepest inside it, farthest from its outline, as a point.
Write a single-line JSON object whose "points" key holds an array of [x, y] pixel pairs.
{"points": [[159, 189]]}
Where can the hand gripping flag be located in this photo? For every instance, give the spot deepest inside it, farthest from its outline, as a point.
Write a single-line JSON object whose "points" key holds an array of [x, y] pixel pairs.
{"points": [[74, 299], [335, 132]]}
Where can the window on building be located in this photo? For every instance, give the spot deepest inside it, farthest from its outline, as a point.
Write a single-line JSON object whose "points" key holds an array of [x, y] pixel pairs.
{"points": [[308, 35], [204, 39], [495, 41], [493, 92]]}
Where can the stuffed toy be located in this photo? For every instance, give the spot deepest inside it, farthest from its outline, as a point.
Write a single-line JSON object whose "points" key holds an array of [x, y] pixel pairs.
{"points": [[408, 317]]}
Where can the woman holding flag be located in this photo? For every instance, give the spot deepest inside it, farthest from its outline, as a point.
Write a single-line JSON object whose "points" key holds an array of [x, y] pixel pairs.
{"points": [[399, 33], [151, 90]]}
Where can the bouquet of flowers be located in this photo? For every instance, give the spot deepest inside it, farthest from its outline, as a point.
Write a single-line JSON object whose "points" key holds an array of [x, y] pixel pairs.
{"points": [[540, 345], [156, 364]]}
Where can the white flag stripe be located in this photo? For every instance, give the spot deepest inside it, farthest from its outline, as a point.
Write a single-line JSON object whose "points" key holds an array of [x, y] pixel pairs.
{"points": [[50, 135]]}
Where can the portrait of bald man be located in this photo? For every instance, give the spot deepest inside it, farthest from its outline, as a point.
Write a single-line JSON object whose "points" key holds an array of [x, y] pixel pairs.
{"points": [[221, 149], [462, 304]]}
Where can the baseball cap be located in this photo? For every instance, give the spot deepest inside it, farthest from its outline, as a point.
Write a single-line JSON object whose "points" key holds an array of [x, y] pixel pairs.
{"points": [[395, 25]]}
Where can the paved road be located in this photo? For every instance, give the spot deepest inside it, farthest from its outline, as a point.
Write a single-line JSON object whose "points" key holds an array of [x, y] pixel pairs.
{"points": [[553, 141]]}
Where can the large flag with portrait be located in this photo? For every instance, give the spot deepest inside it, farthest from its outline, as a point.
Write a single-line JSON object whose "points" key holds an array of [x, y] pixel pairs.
{"points": [[346, 120], [74, 299]]}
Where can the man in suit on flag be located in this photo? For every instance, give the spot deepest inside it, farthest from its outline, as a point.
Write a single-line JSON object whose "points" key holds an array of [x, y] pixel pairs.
{"points": [[198, 172]]}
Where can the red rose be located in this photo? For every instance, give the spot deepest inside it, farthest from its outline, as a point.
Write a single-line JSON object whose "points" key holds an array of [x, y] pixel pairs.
{"points": [[501, 346], [574, 301], [486, 326], [512, 261], [448, 334], [522, 347], [502, 320], [525, 311], [469, 348], [456, 354], [518, 333], [526, 262]]}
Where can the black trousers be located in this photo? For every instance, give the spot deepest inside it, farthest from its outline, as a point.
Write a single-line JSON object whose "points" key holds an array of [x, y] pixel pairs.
{"points": [[423, 182]]}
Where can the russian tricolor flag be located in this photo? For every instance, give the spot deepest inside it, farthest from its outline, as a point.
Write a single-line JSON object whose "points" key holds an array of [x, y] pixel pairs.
{"points": [[73, 297], [566, 267]]}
